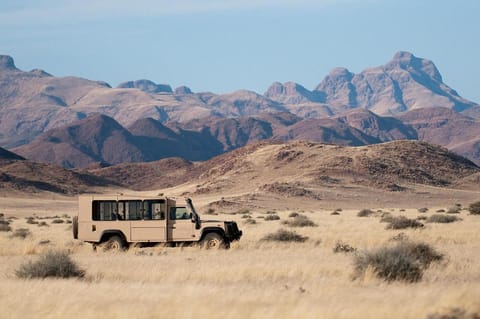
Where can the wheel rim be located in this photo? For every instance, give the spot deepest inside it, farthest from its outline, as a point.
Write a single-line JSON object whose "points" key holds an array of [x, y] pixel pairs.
{"points": [[213, 243], [115, 245]]}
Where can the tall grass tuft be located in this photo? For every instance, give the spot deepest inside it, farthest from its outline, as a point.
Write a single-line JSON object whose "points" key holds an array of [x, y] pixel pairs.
{"points": [[404, 261], [51, 264]]}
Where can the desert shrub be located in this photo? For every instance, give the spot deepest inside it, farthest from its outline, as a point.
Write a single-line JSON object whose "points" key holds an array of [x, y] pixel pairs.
{"points": [[423, 210], [68, 221], [440, 210], [440, 218], [454, 210], [386, 218], [294, 214], [339, 210], [58, 221], [404, 261], [210, 211], [31, 220], [283, 235], [341, 247], [399, 237], [21, 233], [246, 216], [270, 212], [242, 211], [422, 218], [474, 208], [43, 224], [5, 228], [365, 213], [335, 213], [300, 221], [272, 217], [454, 313], [52, 264], [250, 221], [402, 222]]}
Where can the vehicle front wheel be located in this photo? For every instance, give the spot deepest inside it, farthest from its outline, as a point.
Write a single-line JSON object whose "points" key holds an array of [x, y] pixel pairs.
{"points": [[213, 241], [115, 243]]}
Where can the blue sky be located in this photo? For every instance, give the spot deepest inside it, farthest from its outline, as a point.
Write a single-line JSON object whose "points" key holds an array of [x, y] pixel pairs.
{"points": [[222, 46]]}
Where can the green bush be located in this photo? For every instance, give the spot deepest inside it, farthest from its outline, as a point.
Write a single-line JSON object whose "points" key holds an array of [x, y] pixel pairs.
{"points": [[440, 218], [405, 261], [52, 264], [283, 235], [474, 208], [402, 222]]}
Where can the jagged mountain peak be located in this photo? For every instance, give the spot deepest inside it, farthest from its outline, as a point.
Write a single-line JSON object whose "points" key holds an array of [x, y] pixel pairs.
{"points": [[146, 86], [7, 63], [409, 62]]}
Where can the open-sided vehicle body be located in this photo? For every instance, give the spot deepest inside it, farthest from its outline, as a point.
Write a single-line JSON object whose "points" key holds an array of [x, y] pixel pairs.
{"points": [[121, 220]]}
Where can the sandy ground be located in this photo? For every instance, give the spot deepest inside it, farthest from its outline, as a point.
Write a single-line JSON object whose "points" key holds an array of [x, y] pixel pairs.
{"points": [[254, 278]]}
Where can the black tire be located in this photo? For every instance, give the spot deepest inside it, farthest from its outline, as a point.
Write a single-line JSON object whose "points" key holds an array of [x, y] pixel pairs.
{"points": [[213, 241], [75, 227], [114, 243]]}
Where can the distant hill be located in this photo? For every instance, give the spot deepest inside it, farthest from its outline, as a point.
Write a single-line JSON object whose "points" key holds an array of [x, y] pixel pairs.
{"points": [[26, 177], [302, 168]]}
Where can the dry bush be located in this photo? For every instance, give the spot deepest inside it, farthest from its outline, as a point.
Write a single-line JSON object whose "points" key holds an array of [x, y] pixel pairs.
{"points": [[402, 222], [210, 211], [5, 228], [335, 213], [454, 313], [21, 233], [270, 212], [300, 221], [31, 220], [440, 218], [242, 211], [294, 214], [341, 247], [52, 264], [365, 213], [250, 221], [58, 221], [283, 235], [440, 210], [43, 224], [404, 261], [474, 208], [246, 216], [386, 218], [272, 217], [423, 210], [454, 210]]}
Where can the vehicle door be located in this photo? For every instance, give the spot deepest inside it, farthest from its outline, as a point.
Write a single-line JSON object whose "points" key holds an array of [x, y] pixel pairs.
{"points": [[147, 220], [180, 225]]}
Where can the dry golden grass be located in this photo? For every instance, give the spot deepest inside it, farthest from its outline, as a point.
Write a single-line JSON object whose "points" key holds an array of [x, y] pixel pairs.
{"points": [[253, 279]]}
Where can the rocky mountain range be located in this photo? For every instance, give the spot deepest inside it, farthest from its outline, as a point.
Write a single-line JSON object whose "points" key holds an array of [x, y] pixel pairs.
{"points": [[75, 122]]}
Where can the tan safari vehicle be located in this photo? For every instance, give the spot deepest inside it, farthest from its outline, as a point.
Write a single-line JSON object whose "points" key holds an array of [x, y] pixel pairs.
{"points": [[118, 221]]}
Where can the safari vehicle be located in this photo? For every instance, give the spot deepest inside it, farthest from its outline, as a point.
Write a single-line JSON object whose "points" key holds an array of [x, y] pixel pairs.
{"points": [[118, 221]]}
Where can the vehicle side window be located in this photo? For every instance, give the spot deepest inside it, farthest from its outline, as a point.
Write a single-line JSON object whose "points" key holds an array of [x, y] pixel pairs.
{"points": [[104, 210], [155, 209], [179, 213], [131, 209]]}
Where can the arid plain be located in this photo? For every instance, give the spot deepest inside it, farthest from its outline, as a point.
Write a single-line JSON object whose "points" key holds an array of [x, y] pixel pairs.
{"points": [[256, 278]]}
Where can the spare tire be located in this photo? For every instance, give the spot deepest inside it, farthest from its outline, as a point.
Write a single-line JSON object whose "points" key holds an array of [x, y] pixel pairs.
{"points": [[75, 227]]}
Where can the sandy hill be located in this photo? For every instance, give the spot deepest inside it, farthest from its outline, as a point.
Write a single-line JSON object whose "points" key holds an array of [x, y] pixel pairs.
{"points": [[301, 169]]}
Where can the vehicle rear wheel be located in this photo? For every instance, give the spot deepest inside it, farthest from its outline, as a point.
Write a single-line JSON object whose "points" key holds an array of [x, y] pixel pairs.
{"points": [[213, 241], [115, 243]]}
